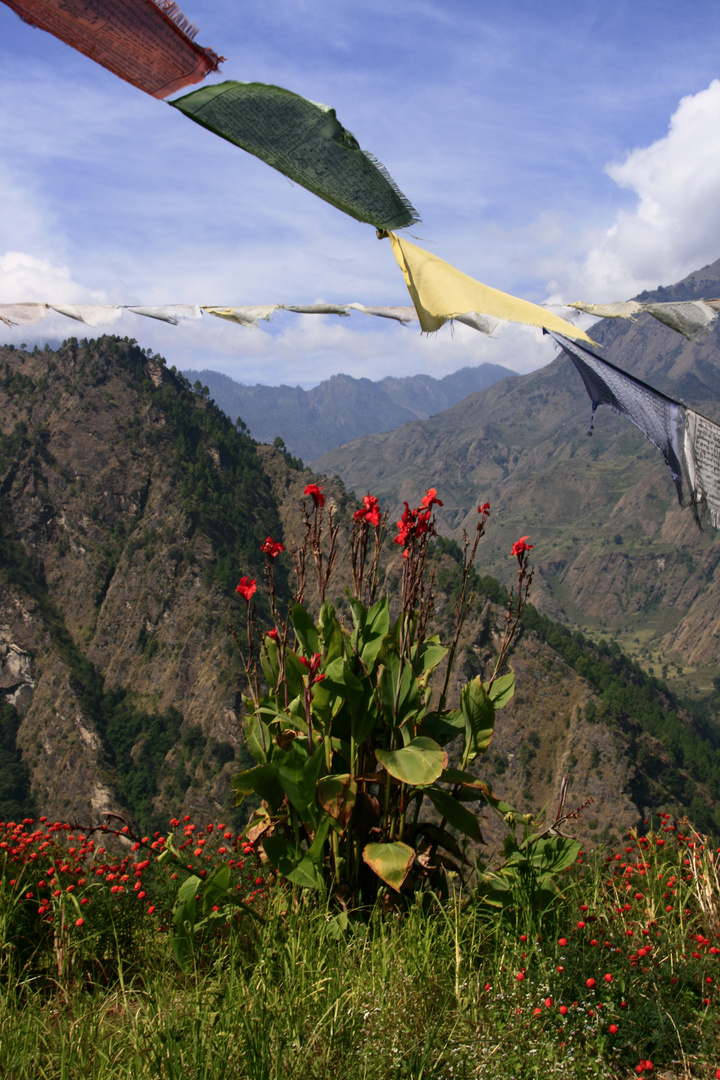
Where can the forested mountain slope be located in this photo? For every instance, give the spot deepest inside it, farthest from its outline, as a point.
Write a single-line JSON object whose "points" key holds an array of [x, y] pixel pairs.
{"points": [[130, 507]]}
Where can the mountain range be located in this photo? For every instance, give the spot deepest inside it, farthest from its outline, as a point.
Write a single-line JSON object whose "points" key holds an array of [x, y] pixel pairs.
{"points": [[312, 422]]}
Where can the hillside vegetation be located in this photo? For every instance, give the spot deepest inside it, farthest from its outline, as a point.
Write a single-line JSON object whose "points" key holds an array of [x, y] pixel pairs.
{"points": [[131, 506]]}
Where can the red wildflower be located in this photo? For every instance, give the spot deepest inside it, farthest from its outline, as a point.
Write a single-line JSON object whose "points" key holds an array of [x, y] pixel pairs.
{"points": [[563, 1010], [79, 922], [562, 941], [271, 548], [608, 978], [430, 499], [520, 547], [590, 983], [412, 524], [316, 493], [369, 511], [520, 976], [613, 1029], [246, 588], [313, 667]]}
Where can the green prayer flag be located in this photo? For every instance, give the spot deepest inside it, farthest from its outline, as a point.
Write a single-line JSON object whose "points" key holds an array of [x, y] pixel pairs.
{"points": [[306, 142]]}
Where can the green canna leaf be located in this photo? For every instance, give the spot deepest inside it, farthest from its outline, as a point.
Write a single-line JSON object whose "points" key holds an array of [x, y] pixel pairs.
{"points": [[391, 862]]}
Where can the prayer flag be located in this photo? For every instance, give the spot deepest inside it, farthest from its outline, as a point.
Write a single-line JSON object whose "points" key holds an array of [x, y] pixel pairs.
{"points": [[402, 315], [149, 43], [623, 309], [440, 292], [90, 314], [316, 309], [689, 317], [170, 313], [655, 414], [22, 314], [702, 461], [246, 316], [306, 142]]}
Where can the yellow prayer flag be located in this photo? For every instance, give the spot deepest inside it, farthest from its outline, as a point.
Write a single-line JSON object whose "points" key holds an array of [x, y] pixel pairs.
{"points": [[440, 292]]}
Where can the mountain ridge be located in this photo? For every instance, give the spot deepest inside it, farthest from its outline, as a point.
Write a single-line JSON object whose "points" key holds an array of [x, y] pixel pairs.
{"points": [[339, 409]]}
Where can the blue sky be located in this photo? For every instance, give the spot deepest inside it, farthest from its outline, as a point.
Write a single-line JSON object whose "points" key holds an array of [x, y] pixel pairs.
{"points": [[554, 150]]}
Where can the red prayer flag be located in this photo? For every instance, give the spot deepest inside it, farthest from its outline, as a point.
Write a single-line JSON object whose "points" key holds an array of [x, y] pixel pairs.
{"points": [[149, 43]]}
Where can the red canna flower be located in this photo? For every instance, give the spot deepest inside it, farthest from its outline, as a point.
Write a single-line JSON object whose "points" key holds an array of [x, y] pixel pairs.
{"points": [[272, 634], [484, 509], [313, 667], [520, 547], [413, 524], [369, 511], [246, 588], [430, 499], [272, 548], [316, 493]]}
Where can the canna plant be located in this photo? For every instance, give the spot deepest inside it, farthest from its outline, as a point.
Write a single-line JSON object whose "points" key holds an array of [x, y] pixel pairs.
{"points": [[346, 724]]}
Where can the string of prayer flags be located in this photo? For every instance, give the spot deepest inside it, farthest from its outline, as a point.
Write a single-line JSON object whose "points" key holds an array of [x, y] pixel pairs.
{"points": [[440, 292], [304, 141], [148, 43], [655, 414], [688, 317], [701, 451]]}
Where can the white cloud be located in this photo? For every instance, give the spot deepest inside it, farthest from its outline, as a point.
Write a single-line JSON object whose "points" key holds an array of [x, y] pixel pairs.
{"points": [[25, 277], [675, 226]]}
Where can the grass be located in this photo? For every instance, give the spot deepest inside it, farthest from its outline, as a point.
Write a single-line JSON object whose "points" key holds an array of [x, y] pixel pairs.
{"points": [[452, 991]]}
